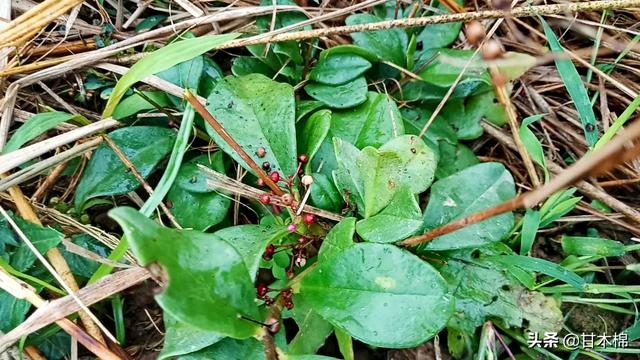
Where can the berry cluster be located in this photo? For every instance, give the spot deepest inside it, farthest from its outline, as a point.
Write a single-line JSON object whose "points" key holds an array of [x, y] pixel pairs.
{"points": [[262, 293]]}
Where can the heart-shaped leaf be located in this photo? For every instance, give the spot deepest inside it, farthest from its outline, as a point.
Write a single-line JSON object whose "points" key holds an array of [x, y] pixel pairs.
{"points": [[313, 133], [399, 220], [105, 174], [209, 286], [181, 339], [379, 294], [250, 241], [193, 204], [338, 69], [257, 112], [338, 239], [379, 170], [371, 124], [342, 96], [418, 161], [324, 193], [347, 176], [388, 44], [473, 189]]}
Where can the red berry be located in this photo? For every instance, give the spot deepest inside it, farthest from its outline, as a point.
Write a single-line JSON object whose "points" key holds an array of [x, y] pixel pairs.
{"points": [[260, 183], [275, 209], [289, 304], [268, 252], [290, 274], [286, 294], [303, 158], [265, 199], [309, 219], [261, 290], [268, 300], [261, 152], [275, 176], [287, 199], [274, 326], [266, 165]]}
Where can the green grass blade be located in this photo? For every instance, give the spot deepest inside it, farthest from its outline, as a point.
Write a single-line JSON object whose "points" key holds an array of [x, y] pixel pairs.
{"points": [[162, 59], [170, 173], [545, 267], [38, 125], [621, 120], [573, 83]]}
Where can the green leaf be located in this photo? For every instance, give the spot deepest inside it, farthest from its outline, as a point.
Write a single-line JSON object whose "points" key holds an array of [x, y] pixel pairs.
{"points": [[343, 96], [162, 59], [345, 344], [136, 103], [43, 238], [386, 44], [379, 171], [338, 239], [475, 188], [186, 74], [181, 339], [105, 174], [543, 266], [483, 291], [439, 35], [313, 330], [324, 193], [368, 286], [12, 311], [530, 225], [617, 124], [37, 125], [250, 241], [454, 158], [313, 133], [371, 124], [80, 265], [591, 246], [257, 112], [230, 349], [193, 204], [209, 286], [338, 69], [306, 107], [399, 220], [173, 165], [347, 176], [532, 144], [246, 65], [417, 159], [444, 69], [150, 22], [573, 83]]}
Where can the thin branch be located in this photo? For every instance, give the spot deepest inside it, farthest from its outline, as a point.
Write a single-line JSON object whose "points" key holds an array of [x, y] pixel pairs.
{"points": [[232, 142], [608, 157]]}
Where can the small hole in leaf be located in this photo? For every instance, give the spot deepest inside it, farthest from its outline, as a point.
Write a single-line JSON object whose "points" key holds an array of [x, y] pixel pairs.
{"points": [[475, 254], [506, 287]]}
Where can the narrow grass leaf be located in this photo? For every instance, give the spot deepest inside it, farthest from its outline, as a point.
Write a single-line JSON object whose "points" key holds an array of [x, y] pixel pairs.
{"points": [[530, 226], [162, 59], [532, 144], [545, 267], [588, 246], [575, 87], [621, 120], [38, 125]]}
